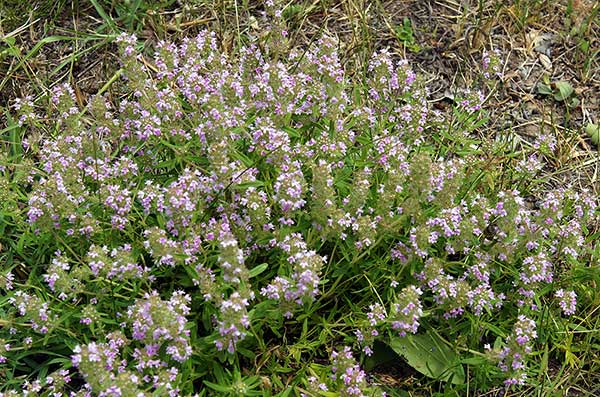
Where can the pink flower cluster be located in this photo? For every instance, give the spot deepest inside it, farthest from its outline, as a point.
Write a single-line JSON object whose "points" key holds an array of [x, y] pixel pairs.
{"points": [[518, 345], [215, 162], [567, 301]]}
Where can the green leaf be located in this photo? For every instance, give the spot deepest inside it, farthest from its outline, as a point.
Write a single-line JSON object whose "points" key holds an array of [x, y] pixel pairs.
{"points": [[216, 387], [11, 49], [475, 360], [573, 103], [564, 90], [292, 132], [107, 18], [246, 353], [247, 161], [593, 130], [429, 354], [544, 89], [10, 40], [65, 362], [577, 327], [255, 271], [285, 393], [584, 46]]}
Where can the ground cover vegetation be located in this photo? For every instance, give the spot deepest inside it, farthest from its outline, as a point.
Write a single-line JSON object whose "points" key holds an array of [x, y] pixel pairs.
{"points": [[242, 201]]}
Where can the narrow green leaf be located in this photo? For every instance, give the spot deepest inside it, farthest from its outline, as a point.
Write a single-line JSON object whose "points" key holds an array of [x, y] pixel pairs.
{"points": [[107, 18], [255, 271], [286, 392], [475, 360], [216, 387], [247, 161]]}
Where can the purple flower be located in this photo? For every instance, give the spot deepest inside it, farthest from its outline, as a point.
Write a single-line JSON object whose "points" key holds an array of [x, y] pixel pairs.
{"points": [[567, 301]]}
